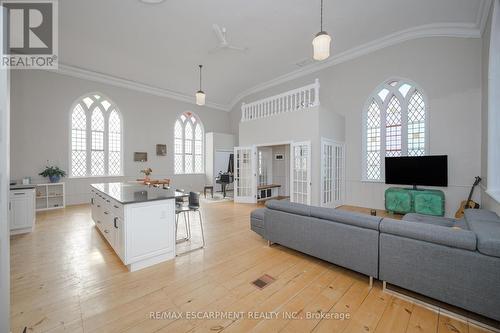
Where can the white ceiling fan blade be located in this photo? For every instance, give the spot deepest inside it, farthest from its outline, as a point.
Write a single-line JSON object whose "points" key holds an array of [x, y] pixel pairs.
{"points": [[219, 34]]}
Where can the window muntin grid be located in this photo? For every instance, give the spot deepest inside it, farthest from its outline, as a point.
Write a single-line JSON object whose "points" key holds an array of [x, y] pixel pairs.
{"points": [[243, 172], [96, 148], [114, 143], [394, 125], [78, 142], [97, 151], [416, 125], [373, 167], [188, 144], [300, 174]]}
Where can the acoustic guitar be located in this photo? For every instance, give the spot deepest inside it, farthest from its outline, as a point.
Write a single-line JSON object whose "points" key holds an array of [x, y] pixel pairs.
{"points": [[468, 204]]}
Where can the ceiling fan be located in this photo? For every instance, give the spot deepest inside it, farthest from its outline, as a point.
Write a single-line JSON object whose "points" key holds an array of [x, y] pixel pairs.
{"points": [[221, 34]]}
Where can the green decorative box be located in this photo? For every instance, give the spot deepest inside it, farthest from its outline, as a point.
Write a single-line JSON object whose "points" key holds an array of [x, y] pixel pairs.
{"points": [[405, 200], [398, 200]]}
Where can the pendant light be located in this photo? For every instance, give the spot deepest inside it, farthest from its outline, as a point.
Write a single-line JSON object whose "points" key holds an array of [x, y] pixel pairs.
{"points": [[321, 43], [200, 95]]}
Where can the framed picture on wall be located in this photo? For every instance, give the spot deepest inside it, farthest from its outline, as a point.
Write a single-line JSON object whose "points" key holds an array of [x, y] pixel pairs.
{"points": [[279, 157], [140, 157], [161, 150]]}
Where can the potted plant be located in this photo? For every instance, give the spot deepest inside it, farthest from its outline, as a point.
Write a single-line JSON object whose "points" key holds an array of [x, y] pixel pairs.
{"points": [[54, 173], [147, 172]]}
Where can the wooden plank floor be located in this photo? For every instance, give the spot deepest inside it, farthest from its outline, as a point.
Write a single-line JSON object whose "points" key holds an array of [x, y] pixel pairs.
{"points": [[65, 278]]}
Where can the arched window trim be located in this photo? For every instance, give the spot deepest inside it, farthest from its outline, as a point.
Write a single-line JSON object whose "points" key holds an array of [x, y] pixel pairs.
{"points": [[188, 115], [88, 114], [404, 101]]}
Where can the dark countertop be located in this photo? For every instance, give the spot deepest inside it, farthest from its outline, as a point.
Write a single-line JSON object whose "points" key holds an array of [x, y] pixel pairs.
{"points": [[22, 187], [126, 193]]}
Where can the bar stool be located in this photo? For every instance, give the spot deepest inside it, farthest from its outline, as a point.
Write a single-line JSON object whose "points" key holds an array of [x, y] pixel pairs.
{"points": [[179, 208], [193, 206], [210, 188]]}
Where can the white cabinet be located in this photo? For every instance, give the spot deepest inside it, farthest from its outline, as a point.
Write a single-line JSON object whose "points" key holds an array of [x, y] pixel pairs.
{"points": [[119, 237], [141, 234], [22, 211], [50, 196]]}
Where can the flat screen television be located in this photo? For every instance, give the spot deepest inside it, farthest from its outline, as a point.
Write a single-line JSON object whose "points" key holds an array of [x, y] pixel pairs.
{"points": [[417, 170]]}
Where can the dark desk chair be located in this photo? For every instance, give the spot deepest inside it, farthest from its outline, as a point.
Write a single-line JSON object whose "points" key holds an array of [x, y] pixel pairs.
{"points": [[193, 206]]}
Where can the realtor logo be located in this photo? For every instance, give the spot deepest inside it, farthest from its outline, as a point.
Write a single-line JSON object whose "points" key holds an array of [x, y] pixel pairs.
{"points": [[29, 34]]}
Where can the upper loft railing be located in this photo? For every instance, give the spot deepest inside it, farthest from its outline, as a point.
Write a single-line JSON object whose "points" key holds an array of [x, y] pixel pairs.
{"points": [[293, 100]]}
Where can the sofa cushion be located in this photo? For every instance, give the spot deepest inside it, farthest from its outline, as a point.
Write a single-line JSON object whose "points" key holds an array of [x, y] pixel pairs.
{"points": [[472, 215], [342, 216], [486, 225], [463, 239], [289, 207], [436, 220]]}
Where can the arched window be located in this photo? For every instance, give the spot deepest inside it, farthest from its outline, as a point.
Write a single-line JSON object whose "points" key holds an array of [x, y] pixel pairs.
{"points": [[394, 124], [96, 138], [188, 143]]}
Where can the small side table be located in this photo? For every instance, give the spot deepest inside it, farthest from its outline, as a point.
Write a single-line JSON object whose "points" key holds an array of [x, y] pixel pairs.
{"points": [[208, 187]]}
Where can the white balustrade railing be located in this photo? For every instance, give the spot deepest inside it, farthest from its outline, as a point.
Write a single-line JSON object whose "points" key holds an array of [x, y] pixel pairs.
{"points": [[293, 100]]}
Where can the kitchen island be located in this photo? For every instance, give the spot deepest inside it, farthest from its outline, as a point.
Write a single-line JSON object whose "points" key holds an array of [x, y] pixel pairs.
{"points": [[137, 221]]}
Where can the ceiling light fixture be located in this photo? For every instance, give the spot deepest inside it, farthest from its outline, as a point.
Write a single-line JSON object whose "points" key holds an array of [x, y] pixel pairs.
{"points": [[321, 43], [200, 95]]}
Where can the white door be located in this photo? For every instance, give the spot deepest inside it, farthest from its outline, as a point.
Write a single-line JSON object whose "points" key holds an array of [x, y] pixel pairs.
{"points": [[245, 174], [300, 172], [332, 173]]}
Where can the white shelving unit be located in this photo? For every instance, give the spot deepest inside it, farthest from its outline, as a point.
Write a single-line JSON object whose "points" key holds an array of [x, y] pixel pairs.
{"points": [[50, 196]]}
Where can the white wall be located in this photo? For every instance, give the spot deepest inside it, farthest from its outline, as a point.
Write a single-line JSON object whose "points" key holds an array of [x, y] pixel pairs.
{"points": [[4, 195], [449, 71], [41, 104], [486, 201]]}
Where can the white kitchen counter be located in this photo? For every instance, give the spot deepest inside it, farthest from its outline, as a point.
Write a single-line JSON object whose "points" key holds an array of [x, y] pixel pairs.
{"points": [[137, 221]]}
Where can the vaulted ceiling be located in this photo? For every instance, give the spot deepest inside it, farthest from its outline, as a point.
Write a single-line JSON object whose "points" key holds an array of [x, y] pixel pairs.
{"points": [[159, 46]]}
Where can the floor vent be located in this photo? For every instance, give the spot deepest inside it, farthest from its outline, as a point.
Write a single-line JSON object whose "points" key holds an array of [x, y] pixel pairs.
{"points": [[263, 281]]}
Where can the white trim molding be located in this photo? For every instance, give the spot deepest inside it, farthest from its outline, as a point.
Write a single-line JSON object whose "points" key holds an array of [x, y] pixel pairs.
{"points": [[130, 84], [482, 14]]}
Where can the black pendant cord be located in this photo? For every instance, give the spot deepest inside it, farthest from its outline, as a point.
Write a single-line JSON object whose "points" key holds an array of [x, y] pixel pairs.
{"points": [[200, 75], [321, 19]]}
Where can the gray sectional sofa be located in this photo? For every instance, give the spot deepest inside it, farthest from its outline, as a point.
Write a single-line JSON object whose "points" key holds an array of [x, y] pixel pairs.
{"points": [[456, 262]]}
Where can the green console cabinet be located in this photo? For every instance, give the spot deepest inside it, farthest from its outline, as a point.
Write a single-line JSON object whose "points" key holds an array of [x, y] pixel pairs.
{"points": [[405, 200]]}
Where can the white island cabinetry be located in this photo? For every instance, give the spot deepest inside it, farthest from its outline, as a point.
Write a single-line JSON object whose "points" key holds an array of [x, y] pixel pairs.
{"points": [[138, 222]]}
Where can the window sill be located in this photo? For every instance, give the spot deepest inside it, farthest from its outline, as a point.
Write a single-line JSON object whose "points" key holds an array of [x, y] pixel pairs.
{"points": [[94, 177], [494, 194], [372, 181]]}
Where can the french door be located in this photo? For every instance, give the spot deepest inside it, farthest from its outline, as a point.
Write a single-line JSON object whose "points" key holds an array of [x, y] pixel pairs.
{"points": [[300, 169], [245, 174], [332, 173]]}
